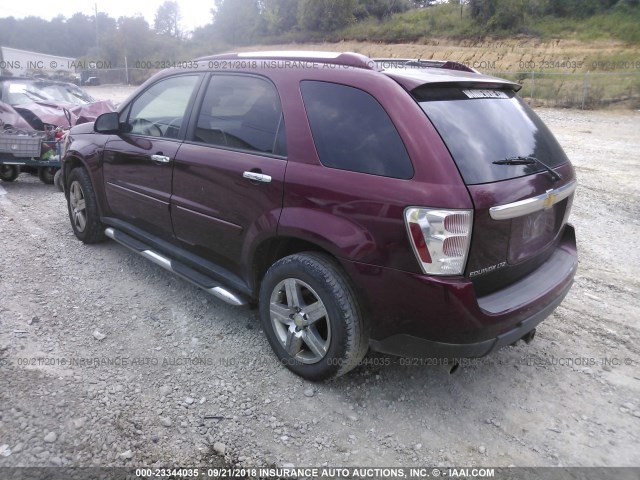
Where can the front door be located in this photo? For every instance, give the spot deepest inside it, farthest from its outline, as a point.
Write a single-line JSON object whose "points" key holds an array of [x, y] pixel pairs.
{"points": [[138, 163]]}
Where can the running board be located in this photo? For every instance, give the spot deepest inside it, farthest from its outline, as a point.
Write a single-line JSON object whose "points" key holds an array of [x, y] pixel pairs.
{"points": [[183, 271]]}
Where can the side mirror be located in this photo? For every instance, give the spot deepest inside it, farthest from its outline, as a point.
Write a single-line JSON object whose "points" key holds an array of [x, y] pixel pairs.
{"points": [[107, 123]]}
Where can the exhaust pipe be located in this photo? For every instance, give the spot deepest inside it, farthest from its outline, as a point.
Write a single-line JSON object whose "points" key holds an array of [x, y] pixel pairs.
{"points": [[450, 368], [528, 337]]}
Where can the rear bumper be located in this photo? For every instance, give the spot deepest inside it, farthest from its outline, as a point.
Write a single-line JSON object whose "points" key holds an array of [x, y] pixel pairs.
{"points": [[417, 315], [408, 345]]}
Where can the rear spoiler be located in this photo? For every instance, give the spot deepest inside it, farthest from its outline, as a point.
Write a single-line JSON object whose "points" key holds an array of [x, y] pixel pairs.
{"points": [[386, 63]]}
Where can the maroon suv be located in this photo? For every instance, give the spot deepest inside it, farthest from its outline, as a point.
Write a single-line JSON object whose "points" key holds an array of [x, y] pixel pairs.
{"points": [[414, 208]]}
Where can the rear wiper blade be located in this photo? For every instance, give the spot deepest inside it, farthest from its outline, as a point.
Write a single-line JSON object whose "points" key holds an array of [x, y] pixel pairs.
{"points": [[529, 161]]}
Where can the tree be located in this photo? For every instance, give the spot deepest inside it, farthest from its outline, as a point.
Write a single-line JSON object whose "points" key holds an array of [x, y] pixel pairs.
{"points": [[236, 21], [380, 9], [482, 10], [82, 34], [326, 15], [28, 35], [279, 16], [135, 39], [508, 15], [167, 19]]}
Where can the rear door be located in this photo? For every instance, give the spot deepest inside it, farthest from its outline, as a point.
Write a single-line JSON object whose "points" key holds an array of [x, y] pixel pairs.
{"points": [[138, 164], [519, 178], [228, 175]]}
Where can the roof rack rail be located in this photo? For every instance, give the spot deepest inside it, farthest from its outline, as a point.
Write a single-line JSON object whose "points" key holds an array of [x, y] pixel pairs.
{"points": [[385, 63], [347, 59]]}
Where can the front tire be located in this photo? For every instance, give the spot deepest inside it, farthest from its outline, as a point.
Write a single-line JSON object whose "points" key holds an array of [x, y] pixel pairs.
{"points": [[83, 208], [9, 173], [57, 180], [311, 316]]}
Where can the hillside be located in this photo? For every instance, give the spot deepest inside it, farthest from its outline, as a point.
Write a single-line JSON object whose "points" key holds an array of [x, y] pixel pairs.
{"points": [[558, 73], [500, 55]]}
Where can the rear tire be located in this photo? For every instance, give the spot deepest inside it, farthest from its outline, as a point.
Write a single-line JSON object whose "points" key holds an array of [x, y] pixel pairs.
{"points": [[47, 174], [311, 316], [9, 173], [83, 208]]}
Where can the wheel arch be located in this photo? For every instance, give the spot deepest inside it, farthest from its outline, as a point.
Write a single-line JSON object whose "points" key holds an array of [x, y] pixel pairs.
{"points": [[70, 163], [270, 250]]}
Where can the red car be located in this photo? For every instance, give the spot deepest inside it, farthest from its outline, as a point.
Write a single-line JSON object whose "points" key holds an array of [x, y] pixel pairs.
{"points": [[39, 109], [412, 208]]}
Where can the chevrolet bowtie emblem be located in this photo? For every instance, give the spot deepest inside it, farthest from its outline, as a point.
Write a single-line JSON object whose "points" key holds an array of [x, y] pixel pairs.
{"points": [[550, 200]]}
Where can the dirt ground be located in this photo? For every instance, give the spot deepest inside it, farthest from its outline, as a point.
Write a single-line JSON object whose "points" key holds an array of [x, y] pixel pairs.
{"points": [[108, 360]]}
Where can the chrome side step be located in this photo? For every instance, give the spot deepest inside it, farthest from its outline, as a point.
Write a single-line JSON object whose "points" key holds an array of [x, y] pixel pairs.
{"points": [[192, 276]]}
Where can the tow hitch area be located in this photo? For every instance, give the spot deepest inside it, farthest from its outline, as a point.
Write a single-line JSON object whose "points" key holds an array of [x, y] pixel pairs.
{"points": [[526, 338]]}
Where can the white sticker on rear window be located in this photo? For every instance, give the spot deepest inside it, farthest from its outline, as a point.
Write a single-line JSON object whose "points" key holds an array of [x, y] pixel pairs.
{"points": [[485, 94]]}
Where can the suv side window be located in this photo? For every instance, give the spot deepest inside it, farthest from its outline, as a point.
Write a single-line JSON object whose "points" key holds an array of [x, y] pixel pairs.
{"points": [[160, 110], [241, 112], [352, 131]]}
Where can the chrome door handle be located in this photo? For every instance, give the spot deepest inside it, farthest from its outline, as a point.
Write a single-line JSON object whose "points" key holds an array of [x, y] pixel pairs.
{"points": [[160, 158], [257, 177]]}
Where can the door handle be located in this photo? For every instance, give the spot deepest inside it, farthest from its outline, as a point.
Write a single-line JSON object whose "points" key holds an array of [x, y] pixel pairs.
{"points": [[257, 177], [160, 158]]}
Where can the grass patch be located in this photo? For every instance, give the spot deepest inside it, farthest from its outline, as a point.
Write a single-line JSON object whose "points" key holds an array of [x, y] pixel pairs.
{"points": [[445, 21], [620, 24], [442, 21]]}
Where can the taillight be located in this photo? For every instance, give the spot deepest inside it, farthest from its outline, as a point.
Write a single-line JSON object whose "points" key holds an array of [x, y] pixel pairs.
{"points": [[440, 238]]}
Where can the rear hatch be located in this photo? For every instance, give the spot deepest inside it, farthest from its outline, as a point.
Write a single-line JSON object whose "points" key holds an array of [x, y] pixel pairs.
{"points": [[518, 176]]}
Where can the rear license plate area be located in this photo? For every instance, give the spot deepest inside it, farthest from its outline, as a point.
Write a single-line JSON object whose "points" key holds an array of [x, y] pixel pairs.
{"points": [[532, 233]]}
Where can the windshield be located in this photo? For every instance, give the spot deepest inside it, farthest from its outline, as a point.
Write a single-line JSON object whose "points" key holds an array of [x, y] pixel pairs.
{"points": [[17, 92], [481, 127], [66, 92]]}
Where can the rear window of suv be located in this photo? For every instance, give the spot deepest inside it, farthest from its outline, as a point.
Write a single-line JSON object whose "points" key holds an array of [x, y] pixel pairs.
{"points": [[480, 127]]}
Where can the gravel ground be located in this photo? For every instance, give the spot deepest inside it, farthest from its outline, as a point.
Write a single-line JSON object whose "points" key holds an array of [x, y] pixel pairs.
{"points": [[108, 360]]}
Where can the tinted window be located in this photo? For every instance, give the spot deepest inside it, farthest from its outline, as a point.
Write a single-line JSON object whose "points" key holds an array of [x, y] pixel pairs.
{"points": [[160, 110], [241, 112], [479, 131], [353, 132]]}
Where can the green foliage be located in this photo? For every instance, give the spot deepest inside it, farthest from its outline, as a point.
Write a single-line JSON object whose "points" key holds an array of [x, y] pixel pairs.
{"points": [[279, 16], [578, 8], [502, 14], [380, 9], [134, 37], [507, 15], [167, 19], [326, 15], [413, 25], [620, 23], [236, 21]]}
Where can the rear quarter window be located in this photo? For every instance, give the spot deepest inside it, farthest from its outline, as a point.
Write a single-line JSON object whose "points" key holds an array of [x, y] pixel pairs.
{"points": [[353, 132]]}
